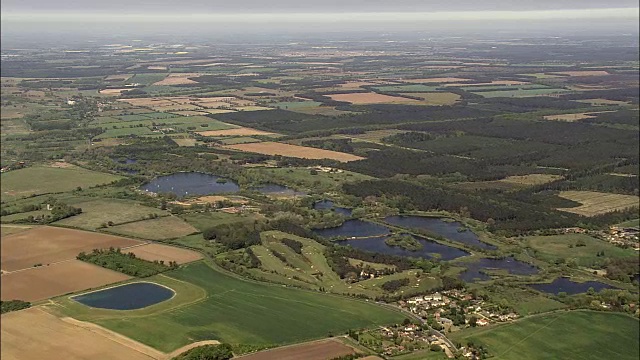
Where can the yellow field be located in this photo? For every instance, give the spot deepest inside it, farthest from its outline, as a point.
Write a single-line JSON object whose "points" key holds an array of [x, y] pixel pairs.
{"points": [[595, 203], [531, 179], [302, 152]]}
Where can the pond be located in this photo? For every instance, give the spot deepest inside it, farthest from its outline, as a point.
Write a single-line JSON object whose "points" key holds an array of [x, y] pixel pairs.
{"points": [[513, 266], [430, 249], [190, 183], [126, 297], [565, 285], [274, 189], [452, 230], [354, 228], [329, 205]]}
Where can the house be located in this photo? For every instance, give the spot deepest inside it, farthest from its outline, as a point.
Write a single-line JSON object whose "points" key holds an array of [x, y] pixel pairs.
{"points": [[482, 322], [433, 297]]}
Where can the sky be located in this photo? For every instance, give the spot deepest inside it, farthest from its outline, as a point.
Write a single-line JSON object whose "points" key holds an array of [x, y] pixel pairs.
{"points": [[318, 15]]}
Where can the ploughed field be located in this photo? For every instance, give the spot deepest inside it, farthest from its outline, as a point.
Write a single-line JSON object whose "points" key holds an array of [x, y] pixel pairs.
{"points": [[316, 350]]}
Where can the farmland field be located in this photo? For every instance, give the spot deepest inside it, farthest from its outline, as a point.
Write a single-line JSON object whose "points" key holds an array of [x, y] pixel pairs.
{"points": [[155, 229], [582, 335], [303, 152], [95, 213], [241, 131], [61, 278], [531, 179], [372, 98], [595, 203], [35, 334], [555, 247], [42, 180], [159, 252], [316, 350], [47, 244], [436, 98], [238, 312], [520, 93]]}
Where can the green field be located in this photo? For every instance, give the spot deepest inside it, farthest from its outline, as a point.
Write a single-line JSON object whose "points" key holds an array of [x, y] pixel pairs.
{"points": [[42, 180], [146, 78], [302, 178], [236, 311], [583, 335], [550, 248], [97, 212]]}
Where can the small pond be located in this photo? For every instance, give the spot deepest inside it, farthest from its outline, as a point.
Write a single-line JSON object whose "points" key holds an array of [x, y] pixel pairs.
{"points": [[190, 183], [565, 285], [513, 266], [274, 189], [354, 228], [126, 297], [430, 249], [329, 205], [452, 230]]}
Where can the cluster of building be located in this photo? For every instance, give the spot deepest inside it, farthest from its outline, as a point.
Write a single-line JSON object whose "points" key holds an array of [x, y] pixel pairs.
{"points": [[625, 237], [14, 166], [406, 338]]}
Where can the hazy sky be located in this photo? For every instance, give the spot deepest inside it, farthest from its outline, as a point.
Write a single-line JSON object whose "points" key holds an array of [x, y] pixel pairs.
{"points": [[301, 6]]}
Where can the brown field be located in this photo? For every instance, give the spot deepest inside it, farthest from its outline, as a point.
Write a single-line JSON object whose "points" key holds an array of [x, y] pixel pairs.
{"points": [[582, 73], [165, 253], [168, 227], [369, 98], [34, 334], [48, 244], [531, 179], [595, 203], [7, 229], [317, 350], [303, 152], [436, 98], [241, 131], [65, 277], [178, 79], [435, 80], [113, 91], [574, 117]]}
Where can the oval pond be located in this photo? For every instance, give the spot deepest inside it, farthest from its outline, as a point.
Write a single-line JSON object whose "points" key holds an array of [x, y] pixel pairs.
{"points": [[190, 183], [565, 285], [126, 297]]}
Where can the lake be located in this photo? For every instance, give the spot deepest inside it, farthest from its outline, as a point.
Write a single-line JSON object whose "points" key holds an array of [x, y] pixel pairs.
{"points": [[354, 228], [430, 249], [450, 230], [329, 205], [513, 266], [563, 284], [190, 183], [126, 297]]}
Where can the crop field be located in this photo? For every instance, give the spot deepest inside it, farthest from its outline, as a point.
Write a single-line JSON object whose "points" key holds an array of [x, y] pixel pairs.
{"points": [[574, 117], [95, 213], [315, 350], [61, 278], [372, 98], [48, 244], [584, 335], [436, 98], [43, 180], [156, 229], [35, 334], [240, 131], [152, 252], [595, 203], [554, 247], [530, 179], [235, 311], [8, 229], [177, 79], [303, 152]]}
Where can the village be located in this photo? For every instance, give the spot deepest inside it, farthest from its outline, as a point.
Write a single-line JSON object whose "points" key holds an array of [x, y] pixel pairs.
{"points": [[624, 237]]}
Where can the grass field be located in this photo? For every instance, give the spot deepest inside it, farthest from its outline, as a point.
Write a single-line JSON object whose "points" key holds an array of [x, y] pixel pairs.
{"points": [[156, 229], [42, 180], [550, 248], [302, 178], [581, 335], [100, 211], [235, 311], [595, 203]]}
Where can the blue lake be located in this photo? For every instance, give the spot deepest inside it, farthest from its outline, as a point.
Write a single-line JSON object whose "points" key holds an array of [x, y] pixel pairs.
{"points": [[565, 285], [513, 266], [453, 230], [126, 297], [329, 205], [354, 228], [190, 183], [429, 248]]}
